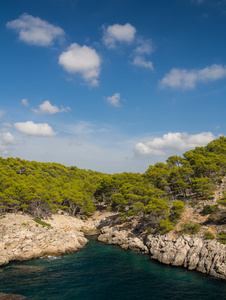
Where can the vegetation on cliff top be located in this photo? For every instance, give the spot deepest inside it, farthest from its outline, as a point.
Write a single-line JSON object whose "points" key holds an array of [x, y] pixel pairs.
{"points": [[157, 196]]}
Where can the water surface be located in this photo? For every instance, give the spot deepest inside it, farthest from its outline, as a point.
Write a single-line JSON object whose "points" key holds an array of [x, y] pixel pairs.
{"points": [[101, 271]]}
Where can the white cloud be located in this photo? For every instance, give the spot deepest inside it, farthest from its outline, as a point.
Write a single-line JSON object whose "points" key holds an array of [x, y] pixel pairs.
{"points": [[83, 60], [145, 46], [6, 141], [184, 79], [47, 108], [35, 129], [34, 31], [141, 62], [173, 143], [114, 100], [118, 34], [25, 102]]}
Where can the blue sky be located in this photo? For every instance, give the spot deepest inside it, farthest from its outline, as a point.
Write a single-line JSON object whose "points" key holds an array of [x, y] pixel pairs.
{"points": [[111, 85]]}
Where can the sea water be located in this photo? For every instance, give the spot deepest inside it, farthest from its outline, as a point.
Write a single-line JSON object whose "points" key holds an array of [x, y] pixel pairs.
{"points": [[101, 271]]}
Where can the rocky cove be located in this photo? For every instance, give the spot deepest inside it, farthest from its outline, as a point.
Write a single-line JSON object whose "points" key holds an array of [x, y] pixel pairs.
{"points": [[24, 239]]}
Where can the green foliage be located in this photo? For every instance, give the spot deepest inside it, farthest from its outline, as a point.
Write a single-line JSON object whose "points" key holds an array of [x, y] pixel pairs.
{"points": [[222, 237], [222, 202], [178, 209], [24, 224], [189, 228], [44, 224], [208, 235], [43, 188], [165, 226], [208, 209], [203, 187]]}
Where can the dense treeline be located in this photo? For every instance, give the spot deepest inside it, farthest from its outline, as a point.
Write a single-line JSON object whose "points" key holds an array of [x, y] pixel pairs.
{"points": [[158, 195], [44, 188]]}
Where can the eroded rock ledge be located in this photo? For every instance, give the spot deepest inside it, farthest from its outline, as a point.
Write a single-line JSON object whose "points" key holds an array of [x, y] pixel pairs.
{"points": [[22, 239]]}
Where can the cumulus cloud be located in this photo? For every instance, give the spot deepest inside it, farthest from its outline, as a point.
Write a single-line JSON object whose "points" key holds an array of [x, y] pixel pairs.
{"points": [[25, 102], [47, 108], [34, 31], [82, 60], [117, 33], [35, 129], [173, 143], [139, 61], [6, 142], [184, 79], [114, 100]]}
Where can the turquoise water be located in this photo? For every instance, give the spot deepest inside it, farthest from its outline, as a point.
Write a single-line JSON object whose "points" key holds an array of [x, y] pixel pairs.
{"points": [[101, 271]]}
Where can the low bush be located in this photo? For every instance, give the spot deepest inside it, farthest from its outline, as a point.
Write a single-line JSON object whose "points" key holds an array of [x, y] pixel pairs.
{"points": [[165, 226], [44, 224], [189, 228], [208, 235], [222, 237]]}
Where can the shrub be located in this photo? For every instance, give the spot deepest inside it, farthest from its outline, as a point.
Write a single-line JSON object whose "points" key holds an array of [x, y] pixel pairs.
{"points": [[131, 213], [24, 224], [222, 237], [44, 224], [222, 202], [165, 226], [208, 209], [208, 235], [189, 228], [178, 209]]}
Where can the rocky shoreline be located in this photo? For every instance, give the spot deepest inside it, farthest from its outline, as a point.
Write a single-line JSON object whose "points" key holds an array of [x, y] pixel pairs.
{"points": [[22, 239], [192, 252]]}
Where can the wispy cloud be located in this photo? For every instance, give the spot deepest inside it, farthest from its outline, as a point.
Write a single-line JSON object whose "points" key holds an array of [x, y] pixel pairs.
{"points": [[34, 31], [188, 79], [82, 60], [114, 100], [139, 61], [117, 33], [47, 108], [173, 143], [144, 46], [34, 129], [25, 102]]}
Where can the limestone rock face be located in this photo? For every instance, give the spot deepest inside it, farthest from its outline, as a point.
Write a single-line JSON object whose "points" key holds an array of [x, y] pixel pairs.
{"points": [[22, 239], [191, 252]]}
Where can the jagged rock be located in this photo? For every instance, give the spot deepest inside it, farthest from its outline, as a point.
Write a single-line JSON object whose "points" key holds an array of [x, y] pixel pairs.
{"points": [[191, 252]]}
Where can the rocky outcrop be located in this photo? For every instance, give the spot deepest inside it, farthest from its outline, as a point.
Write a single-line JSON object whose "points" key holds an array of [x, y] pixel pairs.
{"points": [[206, 256], [123, 238], [22, 239]]}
